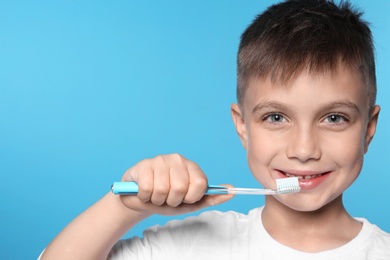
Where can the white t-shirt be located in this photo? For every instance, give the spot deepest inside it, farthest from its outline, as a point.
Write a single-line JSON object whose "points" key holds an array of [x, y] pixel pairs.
{"points": [[230, 235]]}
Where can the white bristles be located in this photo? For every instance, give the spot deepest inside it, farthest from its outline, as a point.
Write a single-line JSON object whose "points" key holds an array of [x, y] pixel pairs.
{"points": [[287, 185]]}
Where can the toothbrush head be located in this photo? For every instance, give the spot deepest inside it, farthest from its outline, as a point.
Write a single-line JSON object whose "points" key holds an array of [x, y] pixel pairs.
{"points": [[287, 185]]}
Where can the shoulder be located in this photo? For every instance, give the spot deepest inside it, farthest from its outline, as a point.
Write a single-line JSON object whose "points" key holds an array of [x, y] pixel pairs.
{"points": [[375, 232], [381, 237], [378, 239]]}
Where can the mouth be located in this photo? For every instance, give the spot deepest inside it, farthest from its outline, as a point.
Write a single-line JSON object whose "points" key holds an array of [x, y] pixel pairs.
{"points": [[303, 176]]}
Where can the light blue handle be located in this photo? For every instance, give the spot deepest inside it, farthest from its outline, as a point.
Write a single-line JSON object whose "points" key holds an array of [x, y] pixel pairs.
{"points": [[131, 188], [215, 189], [124, 188]]}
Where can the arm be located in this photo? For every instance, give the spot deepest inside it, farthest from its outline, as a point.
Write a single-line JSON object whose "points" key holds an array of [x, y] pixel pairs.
{"points": [[168, 185], [93, 233]]}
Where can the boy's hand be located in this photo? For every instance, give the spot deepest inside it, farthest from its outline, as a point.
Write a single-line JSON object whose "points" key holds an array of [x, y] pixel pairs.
{"points": [[169, 185]]}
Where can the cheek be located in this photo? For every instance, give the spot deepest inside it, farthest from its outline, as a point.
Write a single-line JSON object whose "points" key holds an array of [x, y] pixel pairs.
{"points": [[261, 150], [260, 145], [347, 152]]}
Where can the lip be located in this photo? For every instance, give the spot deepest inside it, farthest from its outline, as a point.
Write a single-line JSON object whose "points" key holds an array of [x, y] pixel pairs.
{"points": [[306, 184]]}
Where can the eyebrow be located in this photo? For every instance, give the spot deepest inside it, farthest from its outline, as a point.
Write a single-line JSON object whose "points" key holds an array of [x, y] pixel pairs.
{"points": [[342, 104], [279, 106], [269, 104]]}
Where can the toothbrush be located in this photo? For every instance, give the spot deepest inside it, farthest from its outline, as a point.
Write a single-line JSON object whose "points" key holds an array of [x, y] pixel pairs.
{"points": [[284, 185]]}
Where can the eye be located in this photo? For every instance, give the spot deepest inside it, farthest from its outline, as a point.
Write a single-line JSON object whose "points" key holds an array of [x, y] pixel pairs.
{"points": [[336, 119], [274, 118]]}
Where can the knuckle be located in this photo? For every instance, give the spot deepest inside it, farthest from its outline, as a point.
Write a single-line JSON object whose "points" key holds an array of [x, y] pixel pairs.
{"points": [[158, 160], [193, 165], [161, 190], [176, 157], [144, 163], [200, 183], [145, 189], [191, 200], [158, 201], [179, 189], [173, 203], [143, 198]]}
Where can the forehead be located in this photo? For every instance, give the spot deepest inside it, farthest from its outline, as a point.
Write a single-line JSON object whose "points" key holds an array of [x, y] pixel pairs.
{"points": [[342, 83]]}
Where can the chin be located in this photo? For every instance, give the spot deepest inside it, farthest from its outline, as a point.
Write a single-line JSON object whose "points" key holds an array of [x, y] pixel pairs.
{"points": [[305, 208], [307, 203]]}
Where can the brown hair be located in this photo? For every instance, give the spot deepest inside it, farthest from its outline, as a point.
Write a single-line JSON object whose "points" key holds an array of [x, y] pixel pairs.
{"points": [[312, 35]]}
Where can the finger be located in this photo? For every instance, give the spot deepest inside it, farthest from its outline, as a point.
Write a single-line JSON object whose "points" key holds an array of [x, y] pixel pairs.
{"points": [[179, 181], [198, 183], [206, 201], [130, 174], [212, 200], [144, 176], [161, 181]]}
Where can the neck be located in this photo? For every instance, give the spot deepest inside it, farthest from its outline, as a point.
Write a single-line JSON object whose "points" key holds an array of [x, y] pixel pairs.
{"points": [[323, 229]]}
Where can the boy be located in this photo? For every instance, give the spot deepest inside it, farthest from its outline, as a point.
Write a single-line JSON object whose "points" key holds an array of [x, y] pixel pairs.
{"points": [[306, 108]]}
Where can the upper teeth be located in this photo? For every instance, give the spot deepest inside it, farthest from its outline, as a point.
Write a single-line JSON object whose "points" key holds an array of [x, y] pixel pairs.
{"points": [[306, 177]]}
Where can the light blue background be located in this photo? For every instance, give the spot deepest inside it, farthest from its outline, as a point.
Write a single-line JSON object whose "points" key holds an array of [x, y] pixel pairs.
{"points": [[89, 88]]}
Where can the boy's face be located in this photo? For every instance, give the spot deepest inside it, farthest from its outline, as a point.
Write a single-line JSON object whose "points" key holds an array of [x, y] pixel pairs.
{"points": [[316, 127]]}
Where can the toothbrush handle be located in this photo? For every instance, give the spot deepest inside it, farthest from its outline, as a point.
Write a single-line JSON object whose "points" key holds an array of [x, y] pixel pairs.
{"points": [[124, 188]]}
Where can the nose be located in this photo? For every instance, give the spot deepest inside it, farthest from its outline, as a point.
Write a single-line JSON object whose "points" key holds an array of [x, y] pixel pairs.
{"points": [[303, 145]]}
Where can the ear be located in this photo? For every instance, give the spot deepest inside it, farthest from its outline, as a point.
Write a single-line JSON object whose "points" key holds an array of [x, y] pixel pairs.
{"points": [[371, 127], [239, 123]]}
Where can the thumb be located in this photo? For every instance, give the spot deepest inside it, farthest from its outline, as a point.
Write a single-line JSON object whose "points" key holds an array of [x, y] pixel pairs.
{"points": [[206, 201], [134, 203], [212, 200]]}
